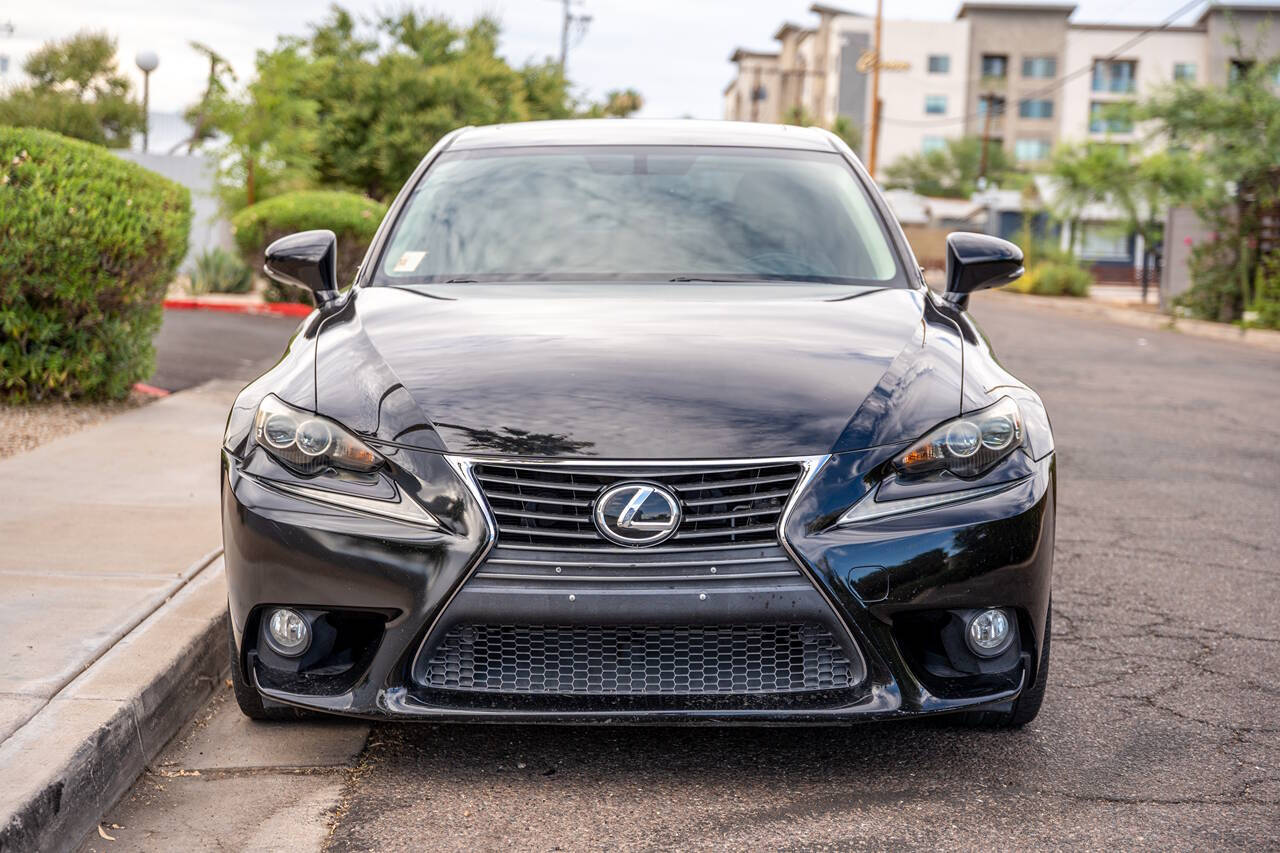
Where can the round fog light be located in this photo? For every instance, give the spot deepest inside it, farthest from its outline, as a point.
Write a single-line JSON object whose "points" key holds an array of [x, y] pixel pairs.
{"points": [[988, 632], [288, 633]]}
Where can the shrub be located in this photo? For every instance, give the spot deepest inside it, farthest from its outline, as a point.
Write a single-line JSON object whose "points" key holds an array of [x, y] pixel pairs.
{"points": [[1055, 278], [88, 244], [352, 217], [220, 271]]}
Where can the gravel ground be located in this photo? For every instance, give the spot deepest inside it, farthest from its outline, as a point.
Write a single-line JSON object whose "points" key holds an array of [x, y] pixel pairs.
{"points": [[28, 426]]}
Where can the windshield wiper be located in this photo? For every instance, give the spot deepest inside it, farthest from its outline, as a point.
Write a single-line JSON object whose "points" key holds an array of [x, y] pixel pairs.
{"points": [[460, 281], [702, 278]]}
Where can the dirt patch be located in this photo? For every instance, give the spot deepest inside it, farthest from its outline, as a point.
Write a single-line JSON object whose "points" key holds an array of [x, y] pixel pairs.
{"points": [[27, 426]]}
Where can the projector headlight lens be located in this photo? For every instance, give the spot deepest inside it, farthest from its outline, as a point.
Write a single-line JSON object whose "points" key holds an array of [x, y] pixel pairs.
{"points": [[968, 445], [308, 443]]}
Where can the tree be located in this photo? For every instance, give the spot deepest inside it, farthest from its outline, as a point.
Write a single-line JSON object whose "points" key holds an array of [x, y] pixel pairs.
{"points": [[76, 90], [841, 127], [1140, 188], [379, 92], [272, 131], [1234, 132], [616, 104], [200, 115], [951, 171]]}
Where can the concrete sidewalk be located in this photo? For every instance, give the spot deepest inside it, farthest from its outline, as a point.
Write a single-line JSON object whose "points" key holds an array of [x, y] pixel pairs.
{"points": [[110, 589]]}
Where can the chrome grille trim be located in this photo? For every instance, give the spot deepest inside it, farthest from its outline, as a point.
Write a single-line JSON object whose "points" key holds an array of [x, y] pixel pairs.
{"points": [[549, 506], [810, 465]]}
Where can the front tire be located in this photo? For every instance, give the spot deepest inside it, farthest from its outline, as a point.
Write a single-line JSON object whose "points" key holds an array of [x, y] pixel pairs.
{"points": [[1027, 705]]}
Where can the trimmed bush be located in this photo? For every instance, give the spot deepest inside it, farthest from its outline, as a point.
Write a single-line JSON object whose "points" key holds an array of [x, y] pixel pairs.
{"points": [[352, 217], [1054, 278], [220, 271], [88, 244]]}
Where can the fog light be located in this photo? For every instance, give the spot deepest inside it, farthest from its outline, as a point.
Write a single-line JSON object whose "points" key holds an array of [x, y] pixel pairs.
{"points": [[287, 632], [988, 632]]}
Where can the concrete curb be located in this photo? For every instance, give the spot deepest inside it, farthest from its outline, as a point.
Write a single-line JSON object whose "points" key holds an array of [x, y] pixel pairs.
{"points": [[279, 309], [62, 770], [1259, 338]]}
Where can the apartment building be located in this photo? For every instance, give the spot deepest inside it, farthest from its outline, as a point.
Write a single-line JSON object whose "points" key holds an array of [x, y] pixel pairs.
{"points": [[1025, 74]]}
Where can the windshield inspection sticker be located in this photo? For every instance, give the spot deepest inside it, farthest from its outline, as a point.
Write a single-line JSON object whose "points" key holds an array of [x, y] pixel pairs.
{"points": [[409, 261]]}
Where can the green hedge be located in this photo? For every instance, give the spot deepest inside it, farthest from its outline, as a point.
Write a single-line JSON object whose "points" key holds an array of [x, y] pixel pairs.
{"points": [[88, 245], [352, 217], [1055, 278]]}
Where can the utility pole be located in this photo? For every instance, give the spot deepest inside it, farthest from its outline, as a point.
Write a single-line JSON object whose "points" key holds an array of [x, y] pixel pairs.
{"points": [[874, 144], [991, 100], [568, 20]]}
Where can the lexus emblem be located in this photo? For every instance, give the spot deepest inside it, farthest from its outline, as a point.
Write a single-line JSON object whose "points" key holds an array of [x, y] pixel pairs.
{"points": [[637, 514]]}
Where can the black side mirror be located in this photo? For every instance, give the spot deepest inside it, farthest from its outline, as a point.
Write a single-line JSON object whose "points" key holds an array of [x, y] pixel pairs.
{"points": [[976, 262], [308, 259]]}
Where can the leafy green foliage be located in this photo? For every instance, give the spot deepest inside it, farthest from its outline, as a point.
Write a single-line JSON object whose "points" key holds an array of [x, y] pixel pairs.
{"points": [[1054, 278], [88, 244], [76, 90], [1139, 188], [952, 171], [1235, 132], [842, 127], [357, 103], [219, 271], [353, 218], [1266, 298]]}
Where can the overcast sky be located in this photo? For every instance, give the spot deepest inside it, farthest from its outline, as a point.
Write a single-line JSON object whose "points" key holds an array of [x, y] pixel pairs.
{"points": [[674, 51]]}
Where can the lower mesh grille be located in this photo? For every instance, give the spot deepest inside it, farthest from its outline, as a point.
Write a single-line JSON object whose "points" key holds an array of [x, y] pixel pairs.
{"points": [[645, 660]]}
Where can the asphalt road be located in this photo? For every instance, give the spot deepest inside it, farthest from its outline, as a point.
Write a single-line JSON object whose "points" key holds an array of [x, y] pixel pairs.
{"points": [[1161, 728], [196, 346], [1162, 724]]}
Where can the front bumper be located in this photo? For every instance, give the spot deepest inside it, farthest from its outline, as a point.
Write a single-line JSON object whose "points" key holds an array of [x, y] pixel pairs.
{"points": [[882, 589]]}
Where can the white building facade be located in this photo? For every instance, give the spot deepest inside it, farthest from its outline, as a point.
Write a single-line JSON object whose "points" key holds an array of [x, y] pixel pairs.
{"points": [[1044, 78]]}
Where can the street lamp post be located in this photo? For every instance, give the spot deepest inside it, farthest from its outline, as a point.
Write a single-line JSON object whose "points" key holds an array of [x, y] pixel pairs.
{"points": [[147, 61]]}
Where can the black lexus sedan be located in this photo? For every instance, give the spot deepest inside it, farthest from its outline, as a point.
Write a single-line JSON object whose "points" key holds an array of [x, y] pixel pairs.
{"points": [[629, 421]]}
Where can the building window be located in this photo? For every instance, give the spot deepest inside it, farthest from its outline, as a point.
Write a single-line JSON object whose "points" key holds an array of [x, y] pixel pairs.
{"points": [[1115, 75], [1104, 241], [935, 105], [1035, 108], [939, 63], [1031, 150], [1239, 69], [4, 64], [995, 65], [1040, 66], [930, 144], [1184, 71], [996, 104], [1110, 118]]}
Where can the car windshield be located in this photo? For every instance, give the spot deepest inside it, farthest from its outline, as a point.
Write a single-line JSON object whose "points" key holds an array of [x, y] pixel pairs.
{"points": [[611, 213]]}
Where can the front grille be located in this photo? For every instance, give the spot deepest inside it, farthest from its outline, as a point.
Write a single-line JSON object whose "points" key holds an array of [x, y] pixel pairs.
{"points": [[639, 660], [549, 506]]}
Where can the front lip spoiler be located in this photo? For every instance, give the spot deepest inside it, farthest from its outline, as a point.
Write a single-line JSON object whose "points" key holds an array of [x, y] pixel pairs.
{"points": [[463, 466], [880, 703]]}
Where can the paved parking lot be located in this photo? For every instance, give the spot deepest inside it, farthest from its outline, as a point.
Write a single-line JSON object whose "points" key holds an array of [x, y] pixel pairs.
{"points": [[1162, 724]]}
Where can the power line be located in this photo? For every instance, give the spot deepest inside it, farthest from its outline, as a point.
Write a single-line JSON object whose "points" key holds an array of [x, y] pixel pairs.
{"points": [[1061, 81]]}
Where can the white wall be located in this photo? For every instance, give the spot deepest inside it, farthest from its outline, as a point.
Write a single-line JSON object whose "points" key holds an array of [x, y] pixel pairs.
{"points": [[1156, 55], [904, 124]]}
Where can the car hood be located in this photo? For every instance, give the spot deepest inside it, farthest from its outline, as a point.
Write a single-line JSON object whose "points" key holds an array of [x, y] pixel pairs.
{"points": [[639, 371]]}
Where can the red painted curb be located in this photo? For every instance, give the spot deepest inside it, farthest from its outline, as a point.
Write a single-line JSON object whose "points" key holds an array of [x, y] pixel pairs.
{"points": [[283, 309], [150, 390]]}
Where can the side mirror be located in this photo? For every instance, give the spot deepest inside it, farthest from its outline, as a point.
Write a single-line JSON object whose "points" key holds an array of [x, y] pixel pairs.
{"points": [[977, 262], [309, 260]]}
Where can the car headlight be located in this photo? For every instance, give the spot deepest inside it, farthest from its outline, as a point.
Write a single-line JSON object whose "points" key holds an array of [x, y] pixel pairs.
{"points": [[968, 445], [308, 443]]}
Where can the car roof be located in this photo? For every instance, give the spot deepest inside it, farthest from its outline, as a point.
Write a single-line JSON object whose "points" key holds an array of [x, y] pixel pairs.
{"points": [[614, 131]]}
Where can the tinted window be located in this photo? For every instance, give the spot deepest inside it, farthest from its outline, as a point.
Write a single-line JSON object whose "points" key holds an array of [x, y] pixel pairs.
{"points": [[647, 213]]}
